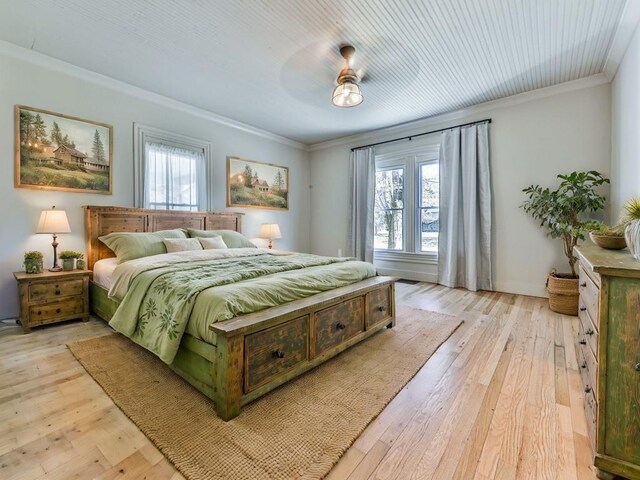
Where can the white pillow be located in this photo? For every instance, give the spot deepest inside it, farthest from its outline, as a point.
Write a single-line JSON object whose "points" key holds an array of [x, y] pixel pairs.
{"points": [[210, 243], [181, 244]]}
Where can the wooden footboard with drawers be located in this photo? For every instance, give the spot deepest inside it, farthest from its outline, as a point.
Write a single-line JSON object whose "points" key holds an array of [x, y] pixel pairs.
{"points": [[255, 353]]}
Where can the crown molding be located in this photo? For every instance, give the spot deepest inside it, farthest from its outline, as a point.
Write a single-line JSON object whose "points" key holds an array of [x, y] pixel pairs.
{"points": [[465, 113], [41, 60], [622, 37]]}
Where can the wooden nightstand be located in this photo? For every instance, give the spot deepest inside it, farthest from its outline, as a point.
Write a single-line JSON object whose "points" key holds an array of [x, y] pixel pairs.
{"points": [[51, 297]]}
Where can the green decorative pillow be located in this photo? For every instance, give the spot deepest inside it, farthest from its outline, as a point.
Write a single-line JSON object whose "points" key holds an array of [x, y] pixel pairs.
{"points": [[231, 238], [132, 245]]}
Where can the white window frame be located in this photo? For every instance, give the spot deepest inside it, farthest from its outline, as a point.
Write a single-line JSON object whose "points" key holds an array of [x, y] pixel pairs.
{"points": [[408, 160], [143, 134]]}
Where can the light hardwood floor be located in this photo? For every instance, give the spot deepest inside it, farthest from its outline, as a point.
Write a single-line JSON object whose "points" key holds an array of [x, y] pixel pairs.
{"points": [[500, 399]]}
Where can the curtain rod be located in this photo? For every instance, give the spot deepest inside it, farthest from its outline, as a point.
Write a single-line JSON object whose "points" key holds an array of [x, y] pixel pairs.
{"points": [[409, 137]]}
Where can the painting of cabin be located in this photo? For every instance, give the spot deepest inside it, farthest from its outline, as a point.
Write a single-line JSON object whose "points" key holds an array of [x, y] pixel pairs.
{"points": [[60, 152], [257, 185]]}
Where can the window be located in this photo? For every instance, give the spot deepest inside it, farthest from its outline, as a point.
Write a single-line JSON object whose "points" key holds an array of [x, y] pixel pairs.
{"points": [[173, 178], [171, 170], [406, 216], [388, 215], [428, 213]]}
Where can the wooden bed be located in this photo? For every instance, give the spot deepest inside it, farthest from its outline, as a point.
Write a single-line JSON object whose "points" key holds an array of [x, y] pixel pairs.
{"points": [[255, 353]]}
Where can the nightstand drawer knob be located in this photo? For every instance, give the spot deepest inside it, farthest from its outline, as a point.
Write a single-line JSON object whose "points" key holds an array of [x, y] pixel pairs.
{"points": [[39, 312], [584, 364], [590, 332], [582, 308], [58, 310], [340, 326], [637, 367], [278, 354], [587, 389], [583, 284], [57, 292], [582, 342], [382, 308]]}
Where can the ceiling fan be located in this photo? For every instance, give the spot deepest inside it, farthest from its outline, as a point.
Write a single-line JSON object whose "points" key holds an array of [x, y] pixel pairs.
{"points": [[347, 93]]}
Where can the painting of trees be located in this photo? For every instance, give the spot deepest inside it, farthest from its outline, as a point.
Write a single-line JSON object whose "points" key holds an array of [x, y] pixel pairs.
{"points": [[60, 152], [278, 181], [56, 134], [98, 147], [249, 184], [247, 176]]}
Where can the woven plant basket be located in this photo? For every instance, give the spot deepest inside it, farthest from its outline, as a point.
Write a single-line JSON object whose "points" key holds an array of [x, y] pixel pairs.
{"points": [[563, 293]]}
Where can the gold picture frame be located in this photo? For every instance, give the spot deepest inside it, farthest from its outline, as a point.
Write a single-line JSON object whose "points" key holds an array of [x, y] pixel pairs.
{"points": [[252, 184], [54, 151]]}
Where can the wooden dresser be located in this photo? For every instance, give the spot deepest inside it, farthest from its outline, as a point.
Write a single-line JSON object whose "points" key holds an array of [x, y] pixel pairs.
{"points": [[608, 351], [51, 297]]}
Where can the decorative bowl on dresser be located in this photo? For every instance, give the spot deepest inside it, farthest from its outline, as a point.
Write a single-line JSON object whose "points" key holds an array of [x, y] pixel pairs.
{"points": [[608, 353], [51, 297]]}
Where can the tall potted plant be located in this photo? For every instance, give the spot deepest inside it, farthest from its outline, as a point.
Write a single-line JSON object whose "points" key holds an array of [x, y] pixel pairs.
{"points": [[561, 212]]}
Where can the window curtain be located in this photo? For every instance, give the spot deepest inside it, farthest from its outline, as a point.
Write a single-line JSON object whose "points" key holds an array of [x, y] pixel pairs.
{"points": [[175, 178], [362, 166], [464, 250]]}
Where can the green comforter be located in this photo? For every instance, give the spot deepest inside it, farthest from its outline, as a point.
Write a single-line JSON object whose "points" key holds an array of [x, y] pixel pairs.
{"points": [[165, 295]]}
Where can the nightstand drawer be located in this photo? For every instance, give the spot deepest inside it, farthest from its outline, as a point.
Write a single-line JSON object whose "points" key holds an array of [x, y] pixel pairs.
{"points": [[52, 290], [51, 312]]}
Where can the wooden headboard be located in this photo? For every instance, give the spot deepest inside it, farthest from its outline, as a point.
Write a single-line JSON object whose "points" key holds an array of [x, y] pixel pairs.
{"points": [[103, 220]]}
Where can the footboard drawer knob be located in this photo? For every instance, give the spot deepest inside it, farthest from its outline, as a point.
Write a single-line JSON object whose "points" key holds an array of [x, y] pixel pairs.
{"points": [[340, 326], [382, 308], [278, 354]]}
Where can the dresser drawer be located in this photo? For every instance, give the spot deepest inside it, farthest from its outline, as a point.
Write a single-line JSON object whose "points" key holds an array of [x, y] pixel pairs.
{"points": [[590, 413], [589, 329], [378, 306], [274, 351], [586, 359], [51, 312], [589, 294], [334, 325], [51, 290]]}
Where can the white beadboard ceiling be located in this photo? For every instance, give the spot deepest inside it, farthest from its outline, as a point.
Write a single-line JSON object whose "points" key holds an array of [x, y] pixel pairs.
{"points": [[273, 63]]}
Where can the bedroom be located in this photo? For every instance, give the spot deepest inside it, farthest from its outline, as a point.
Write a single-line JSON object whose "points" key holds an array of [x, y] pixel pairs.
{"points": [[503, 396]]}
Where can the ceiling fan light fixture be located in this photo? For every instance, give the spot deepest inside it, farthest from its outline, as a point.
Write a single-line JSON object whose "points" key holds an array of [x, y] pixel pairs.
{"points": [[347, 93]]}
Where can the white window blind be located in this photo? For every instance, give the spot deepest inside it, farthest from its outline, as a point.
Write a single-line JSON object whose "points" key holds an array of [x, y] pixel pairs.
{"points": [[174, 178]]}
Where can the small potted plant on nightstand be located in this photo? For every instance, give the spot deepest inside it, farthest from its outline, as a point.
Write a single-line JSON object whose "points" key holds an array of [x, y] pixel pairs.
{"points": [[68, 258], [80, 262], [561, 212], [33, 262]]}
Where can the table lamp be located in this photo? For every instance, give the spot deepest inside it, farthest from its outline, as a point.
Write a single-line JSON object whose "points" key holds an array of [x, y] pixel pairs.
{"points": [[54, 221], [270, 231]]}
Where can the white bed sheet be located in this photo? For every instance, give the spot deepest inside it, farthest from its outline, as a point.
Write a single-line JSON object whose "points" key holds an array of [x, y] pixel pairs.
{"points": [[103, 272]]}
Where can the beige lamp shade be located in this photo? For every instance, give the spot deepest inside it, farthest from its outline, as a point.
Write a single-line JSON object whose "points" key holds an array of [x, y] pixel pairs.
{"points": [[53, 221], [270, 231]]}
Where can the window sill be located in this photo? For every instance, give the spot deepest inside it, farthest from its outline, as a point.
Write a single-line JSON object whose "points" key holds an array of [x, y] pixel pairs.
{"points": [[424, 258]]}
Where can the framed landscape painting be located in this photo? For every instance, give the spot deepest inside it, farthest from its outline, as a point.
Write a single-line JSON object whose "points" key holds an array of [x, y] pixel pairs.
{"points": [[257, 185], [59, 152]]}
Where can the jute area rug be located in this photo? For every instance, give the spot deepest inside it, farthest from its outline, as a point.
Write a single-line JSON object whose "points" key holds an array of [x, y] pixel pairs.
{"points": [[298, 431]]}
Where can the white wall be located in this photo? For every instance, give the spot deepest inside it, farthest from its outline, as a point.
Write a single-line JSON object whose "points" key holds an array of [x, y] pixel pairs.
{"points": [[625, 128], [48, 88], [530, 142]]}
